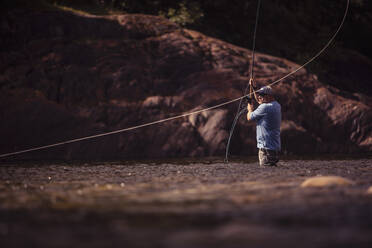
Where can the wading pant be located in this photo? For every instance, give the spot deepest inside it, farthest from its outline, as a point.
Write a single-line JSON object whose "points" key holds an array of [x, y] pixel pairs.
{"points": [[268, 157]]}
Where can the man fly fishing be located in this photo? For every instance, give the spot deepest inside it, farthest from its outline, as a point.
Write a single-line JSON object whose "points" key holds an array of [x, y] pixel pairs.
{"points": [[268, 118]]}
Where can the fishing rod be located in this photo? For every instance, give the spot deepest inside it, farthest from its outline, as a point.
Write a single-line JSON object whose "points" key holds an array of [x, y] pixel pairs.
{"points": [[290, 73], [250, 84]]}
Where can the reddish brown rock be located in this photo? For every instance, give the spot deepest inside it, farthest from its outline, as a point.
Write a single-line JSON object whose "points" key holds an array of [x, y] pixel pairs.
{"points": [[70, 76], [369, 190], [326, 181]]}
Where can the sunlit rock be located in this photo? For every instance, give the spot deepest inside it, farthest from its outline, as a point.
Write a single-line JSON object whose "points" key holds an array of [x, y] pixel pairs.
{"points": [[326, 181], [369, 190]]}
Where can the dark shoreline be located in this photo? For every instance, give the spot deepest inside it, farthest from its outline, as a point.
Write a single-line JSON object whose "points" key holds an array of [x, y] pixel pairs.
{"points": [[203, 160]]}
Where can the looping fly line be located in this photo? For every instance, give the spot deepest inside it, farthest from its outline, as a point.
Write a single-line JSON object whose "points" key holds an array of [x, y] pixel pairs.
{"points": [[188, 113], [239, 112]]}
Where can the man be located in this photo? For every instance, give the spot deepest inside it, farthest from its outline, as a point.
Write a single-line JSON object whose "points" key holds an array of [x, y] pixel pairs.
{"points": [[268, 118]]}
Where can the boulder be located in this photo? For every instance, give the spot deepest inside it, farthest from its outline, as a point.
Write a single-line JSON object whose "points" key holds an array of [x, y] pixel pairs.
{"points": [[326, 181], [369, 190]]}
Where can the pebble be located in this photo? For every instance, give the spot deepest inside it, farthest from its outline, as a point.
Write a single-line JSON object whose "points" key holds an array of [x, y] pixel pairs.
{"points": [[325, 181], [122, 185]]}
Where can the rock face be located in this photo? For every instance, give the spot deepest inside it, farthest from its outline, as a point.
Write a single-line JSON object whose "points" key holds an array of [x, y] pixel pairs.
{"points": [[65, 76]]}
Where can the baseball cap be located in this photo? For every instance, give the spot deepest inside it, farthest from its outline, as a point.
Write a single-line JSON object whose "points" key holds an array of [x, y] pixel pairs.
{"points": [[266, 90]]}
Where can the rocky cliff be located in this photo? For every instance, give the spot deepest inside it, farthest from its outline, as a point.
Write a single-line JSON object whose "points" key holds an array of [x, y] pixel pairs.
{"points": [[66, 76]]}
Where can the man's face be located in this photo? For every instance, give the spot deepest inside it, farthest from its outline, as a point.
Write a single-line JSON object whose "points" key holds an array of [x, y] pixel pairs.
{"points": [[260, 99], [264, 98]]}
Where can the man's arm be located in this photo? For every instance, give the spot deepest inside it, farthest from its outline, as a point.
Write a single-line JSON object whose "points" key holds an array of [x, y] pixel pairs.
{"points": [[250, 109], [256, 114]]}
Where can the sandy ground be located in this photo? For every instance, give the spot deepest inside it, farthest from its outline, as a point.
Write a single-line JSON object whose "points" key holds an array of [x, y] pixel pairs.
{"points": [[185, 204]]}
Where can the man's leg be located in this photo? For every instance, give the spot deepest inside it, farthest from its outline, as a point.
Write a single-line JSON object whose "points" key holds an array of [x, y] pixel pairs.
{"points": [[273, 157], [262, 158], [268, 157]]}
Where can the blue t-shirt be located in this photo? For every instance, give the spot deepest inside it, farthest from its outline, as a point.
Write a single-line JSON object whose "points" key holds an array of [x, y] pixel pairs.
{"points": [[268, 117]]}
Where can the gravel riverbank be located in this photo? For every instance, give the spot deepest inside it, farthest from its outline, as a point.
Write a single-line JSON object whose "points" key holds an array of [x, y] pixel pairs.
{"points": [[179, 204]]}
